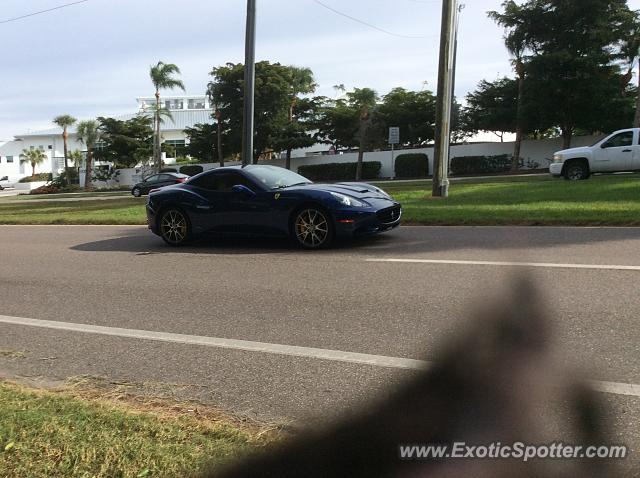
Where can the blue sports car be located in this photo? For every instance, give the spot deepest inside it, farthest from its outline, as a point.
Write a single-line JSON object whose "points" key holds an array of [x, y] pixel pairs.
{"points": [[262, 200]]}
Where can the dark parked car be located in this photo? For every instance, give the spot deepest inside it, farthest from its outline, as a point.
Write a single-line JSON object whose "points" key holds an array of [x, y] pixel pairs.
{"points": [[269, 201], [157, 181]]}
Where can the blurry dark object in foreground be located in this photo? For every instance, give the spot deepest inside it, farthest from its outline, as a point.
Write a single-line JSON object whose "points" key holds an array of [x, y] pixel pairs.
{"points": [[495, 383]]}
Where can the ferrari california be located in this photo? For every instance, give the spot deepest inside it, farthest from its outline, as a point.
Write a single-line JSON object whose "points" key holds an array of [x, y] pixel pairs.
{"points": [[262, 200]]}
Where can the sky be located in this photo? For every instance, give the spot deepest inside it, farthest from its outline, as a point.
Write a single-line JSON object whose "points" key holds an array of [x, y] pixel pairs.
{"points": [[92, 59]]}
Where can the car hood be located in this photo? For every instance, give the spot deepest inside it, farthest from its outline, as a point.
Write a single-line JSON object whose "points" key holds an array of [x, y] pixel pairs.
{"points": [[580, 150], [356, 190]]}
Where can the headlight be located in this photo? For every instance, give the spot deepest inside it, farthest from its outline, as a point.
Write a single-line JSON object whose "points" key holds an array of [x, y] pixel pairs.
{"points": [[347, 200], [558, 158], [380, 191]]}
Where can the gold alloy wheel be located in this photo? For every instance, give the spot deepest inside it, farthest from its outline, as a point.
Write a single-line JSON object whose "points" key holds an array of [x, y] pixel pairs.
{"points": [[312, 228], [173, 226]]}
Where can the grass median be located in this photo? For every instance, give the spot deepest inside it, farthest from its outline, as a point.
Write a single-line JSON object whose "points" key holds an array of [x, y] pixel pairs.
{"points": [[536, 200], [60, 434]]}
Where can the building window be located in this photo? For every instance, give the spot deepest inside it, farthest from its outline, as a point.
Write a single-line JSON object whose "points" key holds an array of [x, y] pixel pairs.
{"points": [[99, 146], [175, 147], [9, 159], [196, 104], [174, 104]]}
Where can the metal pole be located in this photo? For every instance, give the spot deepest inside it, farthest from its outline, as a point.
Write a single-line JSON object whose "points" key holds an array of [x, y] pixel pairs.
{"points": [[393, 169], [249, 85], [445, 98]]}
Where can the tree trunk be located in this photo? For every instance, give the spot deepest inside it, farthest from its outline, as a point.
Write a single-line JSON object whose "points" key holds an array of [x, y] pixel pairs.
{"points": [[287, 161], [567, 136], [65, 137], [33, 169], [515, 161], [88, 170], [364, 123], [636, 119], [220, 153], [157, 154]]}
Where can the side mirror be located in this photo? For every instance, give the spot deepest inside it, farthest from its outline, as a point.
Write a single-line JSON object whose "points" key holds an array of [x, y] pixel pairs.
{"points": [[241, 189]]}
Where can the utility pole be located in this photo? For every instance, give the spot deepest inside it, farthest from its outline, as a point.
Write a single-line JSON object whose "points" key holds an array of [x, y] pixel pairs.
{"points": [[249, 84], [444, 104]]}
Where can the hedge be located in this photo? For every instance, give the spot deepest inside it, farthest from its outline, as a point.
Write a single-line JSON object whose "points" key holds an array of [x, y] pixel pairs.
{"points": [[191, 170], [38, 177], [340, 171], [481, 164], [412, 166]]}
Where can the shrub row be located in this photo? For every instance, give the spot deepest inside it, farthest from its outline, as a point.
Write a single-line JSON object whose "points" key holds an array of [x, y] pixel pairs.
{"points": [[37, 177], [409, 166], [340, 171], [481, 164], [191, 170]]}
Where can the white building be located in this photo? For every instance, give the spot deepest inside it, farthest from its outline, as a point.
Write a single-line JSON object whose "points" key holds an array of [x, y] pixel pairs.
{"points": [[186, 111]]}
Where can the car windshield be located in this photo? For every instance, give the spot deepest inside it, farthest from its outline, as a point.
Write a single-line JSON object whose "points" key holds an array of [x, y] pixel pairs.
{"points": [[276, 178]]}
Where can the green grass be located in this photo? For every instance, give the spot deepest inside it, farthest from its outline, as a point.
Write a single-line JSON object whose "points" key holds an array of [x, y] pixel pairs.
{"points": [[107, 211], [536, 200], [53, 434]]}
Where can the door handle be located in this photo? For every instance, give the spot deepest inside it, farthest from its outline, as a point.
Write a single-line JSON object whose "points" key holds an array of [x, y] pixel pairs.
{"points": [[627, 150]]}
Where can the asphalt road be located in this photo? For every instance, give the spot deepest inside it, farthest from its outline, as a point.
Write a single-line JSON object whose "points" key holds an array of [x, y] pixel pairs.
{"points": [[124, 277]]}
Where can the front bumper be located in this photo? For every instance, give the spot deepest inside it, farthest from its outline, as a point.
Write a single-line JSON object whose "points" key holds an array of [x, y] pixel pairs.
{"points": [[350, 223], [555, 169]]}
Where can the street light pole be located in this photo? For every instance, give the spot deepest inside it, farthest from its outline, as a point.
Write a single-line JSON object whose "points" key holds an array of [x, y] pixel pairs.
{"points": [[249, 85], [445, 98]]}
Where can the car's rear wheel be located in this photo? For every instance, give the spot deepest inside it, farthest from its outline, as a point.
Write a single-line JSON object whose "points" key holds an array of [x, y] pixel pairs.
{"points": [[576, 171], [174, 227], [312, 228], [137, 192]]}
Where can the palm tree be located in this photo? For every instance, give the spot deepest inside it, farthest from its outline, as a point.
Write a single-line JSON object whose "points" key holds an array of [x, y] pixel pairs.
{"points": [[364, 100], [89, 134], [301, 82], [162, 78], [34, 157], [516, 44], [75, 157], [64, 121]]}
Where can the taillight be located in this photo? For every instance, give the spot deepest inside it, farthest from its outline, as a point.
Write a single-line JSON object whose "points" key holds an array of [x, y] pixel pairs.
{"points": [[181, 180], [154, 191]]}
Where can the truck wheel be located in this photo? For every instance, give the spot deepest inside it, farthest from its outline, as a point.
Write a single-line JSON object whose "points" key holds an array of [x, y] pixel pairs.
{"points": [[576, 171]]}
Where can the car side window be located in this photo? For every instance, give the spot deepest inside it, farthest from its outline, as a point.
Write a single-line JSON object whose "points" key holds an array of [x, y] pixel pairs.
{"points": [[221, 182], [151, 179], [619, 140], [165, 177]]}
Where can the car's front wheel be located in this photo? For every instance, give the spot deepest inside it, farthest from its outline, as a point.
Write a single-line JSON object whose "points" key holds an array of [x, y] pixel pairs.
{"points": [[174, 227], [137, 192], [312, 228], [576, 171]]}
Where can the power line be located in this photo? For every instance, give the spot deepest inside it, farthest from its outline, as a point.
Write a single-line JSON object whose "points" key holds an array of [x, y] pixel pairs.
{"points": [[362, 22], [42, 11]]}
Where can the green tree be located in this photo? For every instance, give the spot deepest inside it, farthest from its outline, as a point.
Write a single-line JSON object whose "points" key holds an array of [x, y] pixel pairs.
{"points": [[203, 142], [65, 121], [162, 77], [125, 143], [88, 133], [297, 133], [414, 112], [630, 55], [34, 157], [570, 49], [272, 101], [76, 158], [492, 107]]}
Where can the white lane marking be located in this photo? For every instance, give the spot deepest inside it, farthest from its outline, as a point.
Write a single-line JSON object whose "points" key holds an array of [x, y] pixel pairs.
{"points": [[278, 349], [308, 352], [549, 265]]}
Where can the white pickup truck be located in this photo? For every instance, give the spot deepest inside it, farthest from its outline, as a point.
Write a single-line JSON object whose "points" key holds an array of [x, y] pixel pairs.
{"points": [[620, 151]]}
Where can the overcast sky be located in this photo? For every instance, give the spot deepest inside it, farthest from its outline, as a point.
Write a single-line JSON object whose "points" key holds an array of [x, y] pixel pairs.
{"points": [[92, 59]]}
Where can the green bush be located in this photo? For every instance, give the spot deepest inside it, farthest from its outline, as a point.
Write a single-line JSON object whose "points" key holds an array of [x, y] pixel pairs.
{"points": [[168, 170], [412, 166], [340, 171], [481, 164], [191, 170], [36, 178]]}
